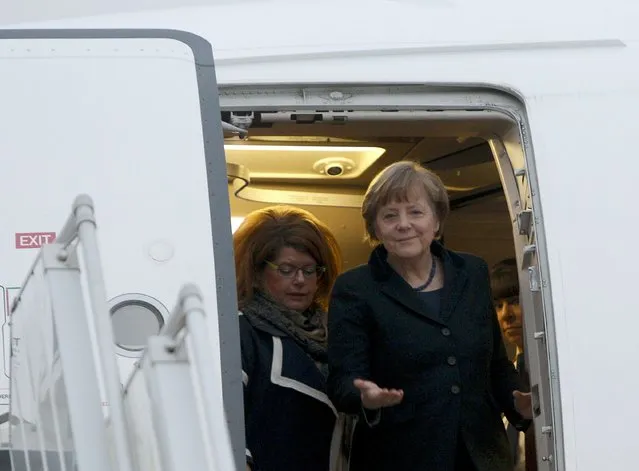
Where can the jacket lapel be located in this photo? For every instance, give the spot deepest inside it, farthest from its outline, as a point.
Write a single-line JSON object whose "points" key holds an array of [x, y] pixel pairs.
{"points": [[454, 283], [400, 291], [395, 287], [292, 371]]}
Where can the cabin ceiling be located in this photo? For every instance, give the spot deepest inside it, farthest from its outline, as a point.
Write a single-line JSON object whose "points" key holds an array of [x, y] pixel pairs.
{"points": [[456, 151]]}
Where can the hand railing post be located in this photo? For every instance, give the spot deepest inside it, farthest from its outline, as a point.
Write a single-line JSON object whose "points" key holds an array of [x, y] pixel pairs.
{"points": [[82, 225]]}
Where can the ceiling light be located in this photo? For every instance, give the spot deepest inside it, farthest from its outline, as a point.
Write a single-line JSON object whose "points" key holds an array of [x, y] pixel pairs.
{"points": [[296, 162]]}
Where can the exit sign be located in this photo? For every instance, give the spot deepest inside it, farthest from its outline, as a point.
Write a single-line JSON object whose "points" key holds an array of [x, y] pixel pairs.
{"points": [[33, 240]]}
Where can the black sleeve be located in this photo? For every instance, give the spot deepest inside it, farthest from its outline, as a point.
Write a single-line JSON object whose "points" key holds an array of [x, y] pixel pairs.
{"points": [[504, 377], [248, 349], [348, 346]]}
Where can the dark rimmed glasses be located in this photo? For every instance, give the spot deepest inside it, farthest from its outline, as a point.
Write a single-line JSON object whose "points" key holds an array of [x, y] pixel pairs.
{"points": [[287, 270]]}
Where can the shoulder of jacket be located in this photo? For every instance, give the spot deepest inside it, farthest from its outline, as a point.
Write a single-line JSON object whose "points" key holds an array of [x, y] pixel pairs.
{"points": [[468, 260], [244, 322], [249, 331], [356, 275]]}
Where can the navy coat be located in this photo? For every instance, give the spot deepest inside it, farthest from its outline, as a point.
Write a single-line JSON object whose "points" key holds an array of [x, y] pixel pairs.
{"points": [[289, 419], [451, 364]]}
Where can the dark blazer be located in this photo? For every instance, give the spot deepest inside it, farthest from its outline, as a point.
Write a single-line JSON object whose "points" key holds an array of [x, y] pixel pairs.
{"points": [[289, 419], [452, 366]]}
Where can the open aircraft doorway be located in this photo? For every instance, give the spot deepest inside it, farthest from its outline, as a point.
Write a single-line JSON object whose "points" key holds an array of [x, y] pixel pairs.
{"points": [[319, 147]]}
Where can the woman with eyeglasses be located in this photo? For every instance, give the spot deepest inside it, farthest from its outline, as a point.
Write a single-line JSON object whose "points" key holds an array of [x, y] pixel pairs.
{"points": [[286, 262]]}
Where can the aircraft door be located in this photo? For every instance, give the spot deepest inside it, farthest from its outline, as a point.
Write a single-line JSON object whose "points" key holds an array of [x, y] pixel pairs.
{"points": [[520, 197], [132, 118]]}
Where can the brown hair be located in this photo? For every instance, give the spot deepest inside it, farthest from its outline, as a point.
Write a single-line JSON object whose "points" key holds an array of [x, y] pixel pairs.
{"points": [[264, 232], [394, 183], [504, 279]]}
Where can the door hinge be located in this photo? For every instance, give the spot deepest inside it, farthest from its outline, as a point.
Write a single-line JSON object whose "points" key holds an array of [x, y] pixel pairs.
{"points": [[533, 277], [529, 252], [524, 222]]}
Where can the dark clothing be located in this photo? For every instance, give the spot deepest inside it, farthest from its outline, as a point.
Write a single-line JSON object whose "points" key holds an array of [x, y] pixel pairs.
{"points": [[512, 432], [531, 449], [432, 299], [451, 364], [463, 461], [288, 417], [307, 328]]}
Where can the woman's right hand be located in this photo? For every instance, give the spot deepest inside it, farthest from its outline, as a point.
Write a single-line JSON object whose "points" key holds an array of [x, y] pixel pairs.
{"points": [[374, 397]]}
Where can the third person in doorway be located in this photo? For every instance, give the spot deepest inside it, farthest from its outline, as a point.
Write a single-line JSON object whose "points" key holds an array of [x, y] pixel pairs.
{"points": [[414, 345], [505, 288]]}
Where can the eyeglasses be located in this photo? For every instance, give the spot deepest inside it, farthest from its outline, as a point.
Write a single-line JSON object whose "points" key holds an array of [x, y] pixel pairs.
{"points": [[286, 270]]}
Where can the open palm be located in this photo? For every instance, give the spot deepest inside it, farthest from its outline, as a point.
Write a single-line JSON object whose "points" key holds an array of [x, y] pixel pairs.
{"points": [[374, 397]]}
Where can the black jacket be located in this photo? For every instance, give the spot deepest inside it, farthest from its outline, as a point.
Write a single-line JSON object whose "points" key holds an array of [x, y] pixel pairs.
{"points": [[452, 366], [289, 419]]}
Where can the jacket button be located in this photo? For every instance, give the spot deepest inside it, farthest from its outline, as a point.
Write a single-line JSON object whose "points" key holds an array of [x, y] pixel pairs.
{"points": [[445, 331], [455, 389], [452, 361]]}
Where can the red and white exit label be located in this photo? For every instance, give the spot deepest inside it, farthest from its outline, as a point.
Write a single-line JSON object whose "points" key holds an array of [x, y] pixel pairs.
{"points": [[33, 240]]}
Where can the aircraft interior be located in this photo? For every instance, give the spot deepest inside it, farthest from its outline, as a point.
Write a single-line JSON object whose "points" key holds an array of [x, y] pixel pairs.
{"points": [[323, 162]]}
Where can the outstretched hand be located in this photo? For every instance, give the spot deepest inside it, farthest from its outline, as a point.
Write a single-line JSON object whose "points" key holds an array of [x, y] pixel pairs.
{"points": [[374, 397], [523, 404]]}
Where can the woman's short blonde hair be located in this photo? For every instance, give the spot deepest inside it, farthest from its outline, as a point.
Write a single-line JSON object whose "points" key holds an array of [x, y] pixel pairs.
{"points": [[395, 183], [264, 232]]}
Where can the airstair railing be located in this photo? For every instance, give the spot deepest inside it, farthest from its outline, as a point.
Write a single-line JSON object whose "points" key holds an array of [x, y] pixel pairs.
{"points": [[185, 413], [169, 417], [53, 362]]}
